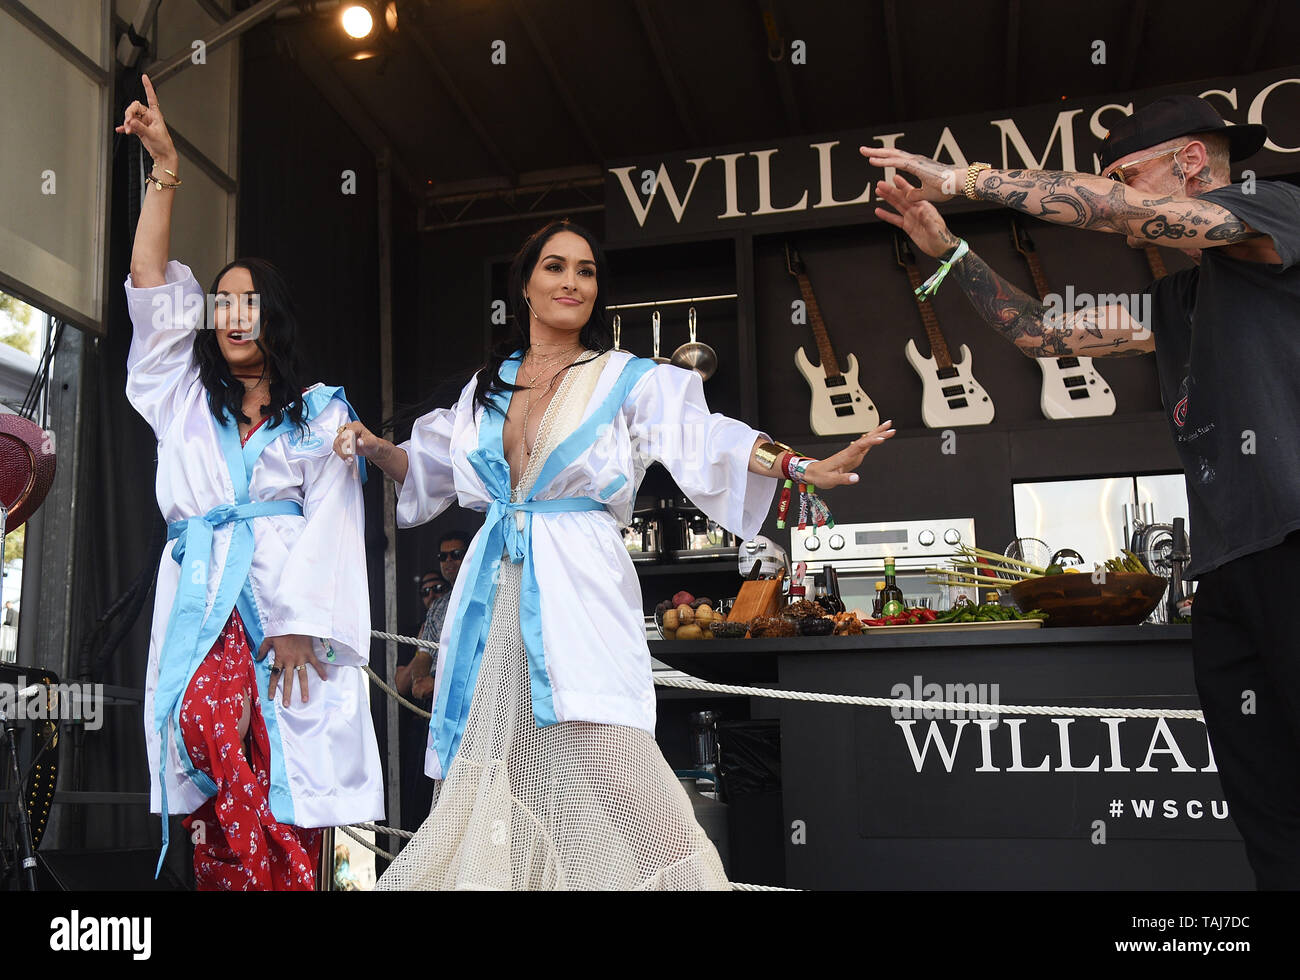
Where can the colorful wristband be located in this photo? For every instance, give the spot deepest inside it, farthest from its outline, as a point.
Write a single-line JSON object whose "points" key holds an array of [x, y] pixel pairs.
{"points": [[931, 285]]}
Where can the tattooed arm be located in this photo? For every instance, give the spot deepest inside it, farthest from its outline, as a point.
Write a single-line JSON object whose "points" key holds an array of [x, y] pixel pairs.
{"points": [[1080, 201], [1036, 328], [1101, 204], [1039, 330]]}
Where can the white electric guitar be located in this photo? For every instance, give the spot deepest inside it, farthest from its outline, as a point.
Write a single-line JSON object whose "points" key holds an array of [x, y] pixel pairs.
{"points": [[1072, 388], [839, 405], [950, 395]]}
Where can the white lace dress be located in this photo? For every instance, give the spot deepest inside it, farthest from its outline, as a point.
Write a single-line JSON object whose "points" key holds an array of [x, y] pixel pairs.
{"points": [[575, 805]]}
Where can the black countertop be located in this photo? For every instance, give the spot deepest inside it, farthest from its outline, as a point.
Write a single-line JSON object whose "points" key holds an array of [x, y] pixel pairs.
{"points": [[755, 660]]}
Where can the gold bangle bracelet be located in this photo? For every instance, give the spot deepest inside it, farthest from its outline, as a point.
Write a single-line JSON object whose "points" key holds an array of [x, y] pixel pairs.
{"points": [[768, 453], [150, 178]]}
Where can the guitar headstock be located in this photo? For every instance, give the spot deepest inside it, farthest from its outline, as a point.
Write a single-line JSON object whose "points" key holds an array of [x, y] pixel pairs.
{"points": [[792, 261], [903, 250], [1020, 238]]}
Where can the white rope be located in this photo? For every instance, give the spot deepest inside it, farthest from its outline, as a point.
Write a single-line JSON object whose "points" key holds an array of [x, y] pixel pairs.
{"points": [[740, 886], [971, 706], [393, 694], [410, 641], [365, 843], [694, 683], [378, 829]]}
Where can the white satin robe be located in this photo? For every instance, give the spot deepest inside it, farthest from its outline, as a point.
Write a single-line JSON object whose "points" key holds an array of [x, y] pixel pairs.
{"points": [[597, 663], [307, 576]]}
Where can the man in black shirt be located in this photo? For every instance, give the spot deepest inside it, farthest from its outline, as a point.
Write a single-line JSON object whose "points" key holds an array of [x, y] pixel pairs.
{"points": [[1226, 335]]}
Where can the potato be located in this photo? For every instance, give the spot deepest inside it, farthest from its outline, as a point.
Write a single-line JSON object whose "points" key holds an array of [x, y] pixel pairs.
{"points": [[703, 615], [691, 632], [670, 620], [670, 634], [685, 614]]}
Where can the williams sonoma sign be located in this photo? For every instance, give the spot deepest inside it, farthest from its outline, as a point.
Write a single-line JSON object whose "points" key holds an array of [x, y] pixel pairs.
{"points": [[787, 184]]}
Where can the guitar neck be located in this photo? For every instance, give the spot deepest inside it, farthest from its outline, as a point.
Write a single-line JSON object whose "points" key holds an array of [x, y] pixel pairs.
{"points": [[938, 346], [1156, 263], [1036, 273], [830, 363]]}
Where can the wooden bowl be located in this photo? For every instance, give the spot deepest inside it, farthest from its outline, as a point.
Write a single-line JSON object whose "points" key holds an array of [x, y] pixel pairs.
{"points": [[1076, 600]]}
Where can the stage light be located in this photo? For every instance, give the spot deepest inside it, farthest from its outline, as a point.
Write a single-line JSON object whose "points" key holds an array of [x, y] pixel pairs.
{"points": [[358, 21]]}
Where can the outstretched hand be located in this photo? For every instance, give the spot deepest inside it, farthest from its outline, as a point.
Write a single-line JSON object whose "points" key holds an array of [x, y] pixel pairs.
{"points": [[939, 181], [918, 218], [837, 470]]}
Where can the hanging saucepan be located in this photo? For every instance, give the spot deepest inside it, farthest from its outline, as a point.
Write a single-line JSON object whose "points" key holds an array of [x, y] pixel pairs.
{"points": [[696, 355], [654, 323], [618, 330]]}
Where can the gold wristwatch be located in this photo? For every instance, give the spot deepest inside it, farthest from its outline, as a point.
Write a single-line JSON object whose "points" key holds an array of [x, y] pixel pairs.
{"points": [[971, 172]]}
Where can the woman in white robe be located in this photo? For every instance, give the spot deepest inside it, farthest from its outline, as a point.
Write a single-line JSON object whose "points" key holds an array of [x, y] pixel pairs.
{"points": [[544, 705], [265, 554]]}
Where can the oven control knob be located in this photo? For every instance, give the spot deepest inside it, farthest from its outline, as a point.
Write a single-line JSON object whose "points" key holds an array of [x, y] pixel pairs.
{"points": [[925, 539], [836, 541], [952, 536], [811, 543]]}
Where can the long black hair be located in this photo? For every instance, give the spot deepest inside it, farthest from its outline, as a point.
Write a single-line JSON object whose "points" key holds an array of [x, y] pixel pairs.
{"points": [[277, 339], [597, 334]]}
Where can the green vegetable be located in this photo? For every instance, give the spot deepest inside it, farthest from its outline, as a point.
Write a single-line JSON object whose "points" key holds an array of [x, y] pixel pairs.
{"points": [[1054, 570]]}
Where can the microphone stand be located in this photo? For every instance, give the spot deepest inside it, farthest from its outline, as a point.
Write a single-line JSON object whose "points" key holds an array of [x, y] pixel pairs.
{"points": [[27, 862]]}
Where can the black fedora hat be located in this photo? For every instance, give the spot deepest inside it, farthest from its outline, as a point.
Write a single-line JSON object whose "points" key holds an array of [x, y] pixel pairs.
{"points": [[1174, 116]]}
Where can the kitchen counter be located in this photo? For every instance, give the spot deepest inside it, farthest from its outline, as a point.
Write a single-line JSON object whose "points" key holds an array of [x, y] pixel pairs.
{"points": [[884, 798], [755, 661]]}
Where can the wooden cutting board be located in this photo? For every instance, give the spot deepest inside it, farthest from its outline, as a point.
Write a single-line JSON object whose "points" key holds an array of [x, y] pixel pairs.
{"points": [[758, 598]]}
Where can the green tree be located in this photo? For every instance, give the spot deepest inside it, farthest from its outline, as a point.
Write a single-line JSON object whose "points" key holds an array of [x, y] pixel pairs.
{"points": [[16, 324], [14, 542]]}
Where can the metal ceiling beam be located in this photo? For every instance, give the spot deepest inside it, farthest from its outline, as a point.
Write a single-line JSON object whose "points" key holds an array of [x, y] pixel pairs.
{"points": [[160, 71], [784, 84], [1013, 54], [684, 114], [525, 183], [895, 61], [358, 118], [566, 95], [435, 65]]}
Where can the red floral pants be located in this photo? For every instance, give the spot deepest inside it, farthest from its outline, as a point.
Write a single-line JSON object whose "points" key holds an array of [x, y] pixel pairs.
{"points": [[238, 844]]}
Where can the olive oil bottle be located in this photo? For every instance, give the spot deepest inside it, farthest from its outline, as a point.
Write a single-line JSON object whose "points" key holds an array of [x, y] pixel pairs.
{"points": [[892, 597]]}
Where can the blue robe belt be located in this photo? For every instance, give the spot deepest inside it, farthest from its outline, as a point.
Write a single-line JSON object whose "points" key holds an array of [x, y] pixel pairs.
{"points": [[508, 528], [189, 633]]}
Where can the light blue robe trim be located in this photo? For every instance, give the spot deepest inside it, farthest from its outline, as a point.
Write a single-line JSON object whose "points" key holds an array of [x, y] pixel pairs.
{"points": [[190, 635], [508, 527]]}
